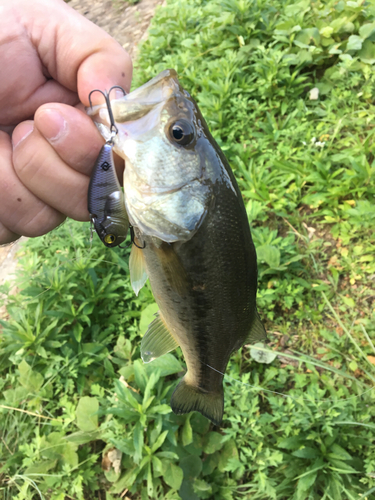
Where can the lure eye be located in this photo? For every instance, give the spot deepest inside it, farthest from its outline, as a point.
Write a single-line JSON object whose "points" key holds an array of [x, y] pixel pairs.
{"points": [[109, 239], [182, 132]]}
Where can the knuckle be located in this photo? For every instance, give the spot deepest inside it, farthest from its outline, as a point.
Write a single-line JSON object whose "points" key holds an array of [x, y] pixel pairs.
{"points": [[41, 222], [27, 162]]}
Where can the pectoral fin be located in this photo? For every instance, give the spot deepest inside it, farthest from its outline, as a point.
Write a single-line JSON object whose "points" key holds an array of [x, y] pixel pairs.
{"points": [[157, 340], [257, 331], [137, 268]]}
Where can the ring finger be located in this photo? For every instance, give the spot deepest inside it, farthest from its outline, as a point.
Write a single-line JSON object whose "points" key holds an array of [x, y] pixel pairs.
{"points": [[21, 212]]}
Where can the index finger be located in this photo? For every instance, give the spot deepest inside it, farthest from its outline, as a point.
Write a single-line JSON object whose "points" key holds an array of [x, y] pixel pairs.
{"points": [[76, 53]]}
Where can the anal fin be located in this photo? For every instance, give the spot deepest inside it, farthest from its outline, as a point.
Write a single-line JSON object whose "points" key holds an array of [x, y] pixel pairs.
{"points": [[157, 340], [188, 398], [137, 269], [257, 331]]}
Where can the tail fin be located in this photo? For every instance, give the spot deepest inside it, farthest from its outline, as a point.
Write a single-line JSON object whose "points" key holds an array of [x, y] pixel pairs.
{"points": [[188, 398]]}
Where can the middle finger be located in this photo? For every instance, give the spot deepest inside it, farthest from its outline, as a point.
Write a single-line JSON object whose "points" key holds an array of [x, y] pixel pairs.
{"points": [[41, 169]]}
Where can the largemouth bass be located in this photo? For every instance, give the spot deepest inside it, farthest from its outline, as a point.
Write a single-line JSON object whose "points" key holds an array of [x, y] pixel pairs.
{"points": [[186, 208]]}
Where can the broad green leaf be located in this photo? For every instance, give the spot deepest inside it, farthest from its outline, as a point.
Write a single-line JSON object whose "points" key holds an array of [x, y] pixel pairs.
{"points": [[111, 475], [126, 395], [14, 396], [70, 456], [157, 465], [307, 481], [353, 365], [202, 488], [125, 481], [28, 378], [192, 466], [59, 448], [228, 451], [187, 432], [290, 443], [140, 374], [138, 439], [150, 483], [153, 379], [354, 43], [186, 491], [147, 316], [326, 31], [297, 8], [160, 440], [366, 30], [199, 423], [161, 410], [306, 452], [269, 254], [342, 467], [188, 42], [166, 364], [87, 414], [173, 476], [41, 467], [367, 53], [195, 447], [77, 331], [82, 437], [212, 442], [348, 301], [337, 452], [210, 463], [167, 454], [306, 36]]}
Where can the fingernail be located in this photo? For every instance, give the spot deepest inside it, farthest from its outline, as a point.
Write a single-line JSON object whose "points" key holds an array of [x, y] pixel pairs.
{"points": [[53, 125], [21, 132]]}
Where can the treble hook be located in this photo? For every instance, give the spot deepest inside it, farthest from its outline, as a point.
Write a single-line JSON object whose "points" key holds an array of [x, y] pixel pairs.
{"points": [[132, 241], [105, 94]]}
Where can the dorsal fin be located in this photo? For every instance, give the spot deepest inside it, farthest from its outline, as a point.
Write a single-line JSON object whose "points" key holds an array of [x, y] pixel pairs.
{"points": [[137, 269], [157, 340]]}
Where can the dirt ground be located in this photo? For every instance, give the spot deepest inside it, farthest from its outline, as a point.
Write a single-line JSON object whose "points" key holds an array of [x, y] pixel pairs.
{"points": [[127, 24]]}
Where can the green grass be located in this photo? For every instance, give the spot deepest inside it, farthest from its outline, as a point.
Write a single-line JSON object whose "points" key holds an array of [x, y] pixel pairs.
{"points": [[301, 427]]}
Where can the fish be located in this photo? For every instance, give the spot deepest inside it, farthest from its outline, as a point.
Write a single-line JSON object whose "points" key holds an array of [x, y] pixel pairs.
{"points": [[188, 214], [106, 200]]}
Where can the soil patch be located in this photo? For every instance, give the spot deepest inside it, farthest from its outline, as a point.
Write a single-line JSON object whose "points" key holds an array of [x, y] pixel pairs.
{"points": [[125, 23]]}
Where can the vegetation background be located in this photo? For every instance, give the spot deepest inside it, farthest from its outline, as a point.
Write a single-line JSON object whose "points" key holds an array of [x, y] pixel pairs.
{"points": [[82, 417]]}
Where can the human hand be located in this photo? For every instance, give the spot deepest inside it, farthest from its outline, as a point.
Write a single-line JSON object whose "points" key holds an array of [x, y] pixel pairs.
{"points": [[49, 54]]}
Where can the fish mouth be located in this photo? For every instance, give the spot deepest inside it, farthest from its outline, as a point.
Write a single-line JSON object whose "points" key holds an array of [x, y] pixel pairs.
{"points": [[138, 103], [164, 195]]}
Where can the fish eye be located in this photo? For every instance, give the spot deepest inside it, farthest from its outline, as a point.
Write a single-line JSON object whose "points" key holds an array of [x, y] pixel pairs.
{"points": [[109, 239], [182, 132]]}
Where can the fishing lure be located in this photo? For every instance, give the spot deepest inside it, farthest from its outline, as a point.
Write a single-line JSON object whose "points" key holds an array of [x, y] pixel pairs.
{"points": [[106, 202]]}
